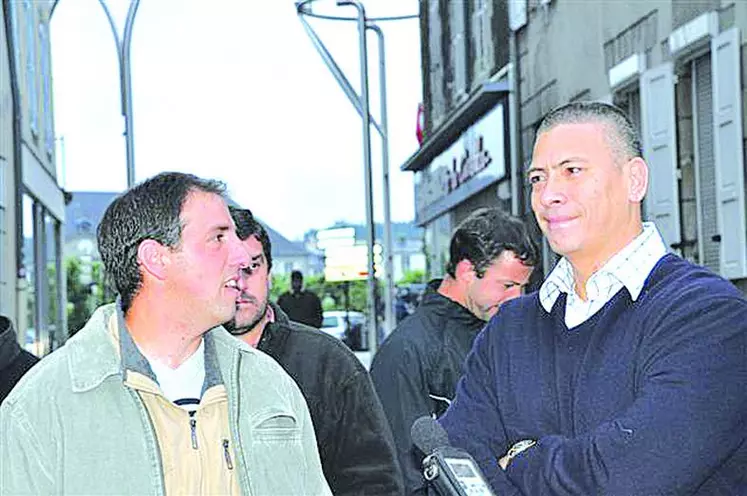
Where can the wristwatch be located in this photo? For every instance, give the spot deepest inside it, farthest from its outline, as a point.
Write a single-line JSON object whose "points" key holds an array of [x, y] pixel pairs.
{"points": [[517, 448]]}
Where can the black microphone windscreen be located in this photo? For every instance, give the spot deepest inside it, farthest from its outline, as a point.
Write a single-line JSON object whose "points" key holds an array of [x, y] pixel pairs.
{"points": [[427, 435]]}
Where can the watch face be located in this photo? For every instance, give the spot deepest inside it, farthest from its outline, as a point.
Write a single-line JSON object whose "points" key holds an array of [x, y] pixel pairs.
{"points": [[520, 446]]}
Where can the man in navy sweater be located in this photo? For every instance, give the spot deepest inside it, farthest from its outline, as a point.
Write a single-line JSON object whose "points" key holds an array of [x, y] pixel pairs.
{"points": [[626, 373]]}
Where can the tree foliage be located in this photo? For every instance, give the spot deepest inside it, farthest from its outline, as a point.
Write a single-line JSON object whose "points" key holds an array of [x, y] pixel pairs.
{"points": [[413, 276], [86, 290]]}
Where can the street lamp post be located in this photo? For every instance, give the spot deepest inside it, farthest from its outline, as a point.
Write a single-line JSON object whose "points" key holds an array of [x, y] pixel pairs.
{"points": [[125, 82], [389, 317], [360, 103]]}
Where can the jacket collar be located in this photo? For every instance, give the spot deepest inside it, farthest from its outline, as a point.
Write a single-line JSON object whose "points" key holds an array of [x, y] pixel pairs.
{"points": [[135, 361], [93, 355], [9, 347], [272, 337], [280, 316], [96, 351], [446, 306]]}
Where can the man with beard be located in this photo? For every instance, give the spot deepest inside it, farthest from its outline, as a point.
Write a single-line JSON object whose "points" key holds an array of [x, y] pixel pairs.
{"points": [[354, 439]]}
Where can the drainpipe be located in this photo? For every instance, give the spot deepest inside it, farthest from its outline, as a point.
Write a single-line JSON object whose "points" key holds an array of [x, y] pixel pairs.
{"points": [[17, 142], [514, 108]]}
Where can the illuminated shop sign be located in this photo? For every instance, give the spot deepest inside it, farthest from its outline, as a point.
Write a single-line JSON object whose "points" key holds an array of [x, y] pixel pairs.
{"points": [[473, 162]]}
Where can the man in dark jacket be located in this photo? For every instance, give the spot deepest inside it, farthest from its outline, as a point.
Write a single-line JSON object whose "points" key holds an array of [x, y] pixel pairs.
{"points": [[355, 443], [300, 304], [14, 361], [417, 368]]}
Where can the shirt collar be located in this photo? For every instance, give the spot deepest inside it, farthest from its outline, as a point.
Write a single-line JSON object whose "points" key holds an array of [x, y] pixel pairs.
{"points": [[631, 266]]}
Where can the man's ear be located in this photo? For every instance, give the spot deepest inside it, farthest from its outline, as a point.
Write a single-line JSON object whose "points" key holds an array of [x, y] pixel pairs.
{"points": [[153, 258], [465, 271], [638, 170]]}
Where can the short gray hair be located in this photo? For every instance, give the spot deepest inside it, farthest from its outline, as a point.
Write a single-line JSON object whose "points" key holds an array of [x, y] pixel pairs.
{"points": [[623, 138]]}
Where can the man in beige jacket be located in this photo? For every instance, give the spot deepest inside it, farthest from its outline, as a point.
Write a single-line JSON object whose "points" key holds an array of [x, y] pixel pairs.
{"points": [[146, 398]]}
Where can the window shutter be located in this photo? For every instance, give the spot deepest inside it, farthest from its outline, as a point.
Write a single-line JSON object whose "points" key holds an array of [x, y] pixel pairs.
{"points": [[458, 50], [660, 151], [437, 111], [727, 147]]}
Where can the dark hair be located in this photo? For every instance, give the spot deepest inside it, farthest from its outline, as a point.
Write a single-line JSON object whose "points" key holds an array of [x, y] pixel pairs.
{"points": [[622, 139], [484, 235], [247, 225], [150, 210], [297, 274]]}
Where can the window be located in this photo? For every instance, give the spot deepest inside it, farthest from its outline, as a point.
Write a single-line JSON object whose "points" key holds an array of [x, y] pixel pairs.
{"points": [[51, 284], [482, 36], [32, 93], [437, 111], [16, 34], [458, 50], [330, 322], [29, 294], [46, 89], [437, 239]]}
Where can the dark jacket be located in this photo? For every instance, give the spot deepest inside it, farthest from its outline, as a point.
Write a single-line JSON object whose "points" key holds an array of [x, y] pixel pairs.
{"points": [[14, 361], [417, 368], [304, 307], [355, 443]]}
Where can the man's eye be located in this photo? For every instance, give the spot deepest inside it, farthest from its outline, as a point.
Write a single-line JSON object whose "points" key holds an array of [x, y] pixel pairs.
{"points": [[247, 271], [534, 178], [573, 170]]}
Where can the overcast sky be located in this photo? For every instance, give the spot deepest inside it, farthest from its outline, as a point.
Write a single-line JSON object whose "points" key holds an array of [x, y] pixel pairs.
{"points": [[234, 90]]}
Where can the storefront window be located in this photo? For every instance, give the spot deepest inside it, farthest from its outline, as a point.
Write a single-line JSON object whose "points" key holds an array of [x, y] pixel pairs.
{"points": [[437, 237], [53, 281], [27, 292], [40, 292]]}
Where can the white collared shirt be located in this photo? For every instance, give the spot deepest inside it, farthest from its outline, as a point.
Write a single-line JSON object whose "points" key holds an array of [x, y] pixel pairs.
{"points": [[628, 268]]}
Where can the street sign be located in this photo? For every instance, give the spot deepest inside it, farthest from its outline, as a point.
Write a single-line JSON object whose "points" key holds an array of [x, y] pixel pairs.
{"points": [[349, 263]]}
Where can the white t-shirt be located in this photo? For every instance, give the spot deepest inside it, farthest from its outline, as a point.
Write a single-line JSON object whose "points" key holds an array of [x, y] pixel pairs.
{"points": [[182, 385]]}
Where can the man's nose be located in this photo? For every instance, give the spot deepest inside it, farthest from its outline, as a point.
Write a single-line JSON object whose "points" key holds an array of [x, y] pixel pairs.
{"points": [[243, 281], [553, 191], [239, 257]]}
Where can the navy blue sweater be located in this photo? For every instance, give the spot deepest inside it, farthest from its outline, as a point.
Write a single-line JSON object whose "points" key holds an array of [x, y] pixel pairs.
{"points": [[644, 398]]}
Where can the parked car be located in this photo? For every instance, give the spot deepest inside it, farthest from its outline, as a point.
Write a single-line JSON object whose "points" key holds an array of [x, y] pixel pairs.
{"points": [[334, 324]]}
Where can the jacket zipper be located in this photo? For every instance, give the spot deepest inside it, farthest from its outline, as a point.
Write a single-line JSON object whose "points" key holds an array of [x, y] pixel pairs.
{"points": [[193, 427], [227, 454]]}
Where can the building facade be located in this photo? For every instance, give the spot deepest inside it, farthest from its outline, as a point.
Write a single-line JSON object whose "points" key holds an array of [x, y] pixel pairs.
{"points": [[32, 203], [465, 160], [676, 66]]}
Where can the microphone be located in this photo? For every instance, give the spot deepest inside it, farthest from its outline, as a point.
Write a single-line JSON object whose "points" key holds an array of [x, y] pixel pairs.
{"points": [[448, 470], [428, 435]]}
